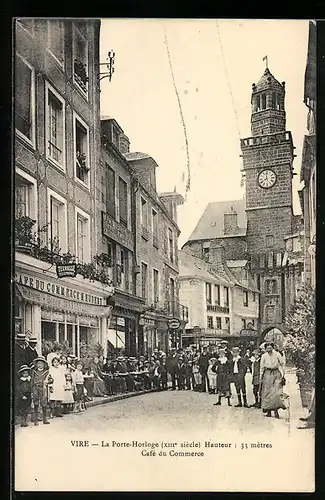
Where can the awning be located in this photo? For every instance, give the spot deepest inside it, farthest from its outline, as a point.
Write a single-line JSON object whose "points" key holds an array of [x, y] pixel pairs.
{"points": [[59, 303]]}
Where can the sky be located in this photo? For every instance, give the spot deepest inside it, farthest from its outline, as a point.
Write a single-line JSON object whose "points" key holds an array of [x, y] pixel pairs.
{"points": [[215, 63]]}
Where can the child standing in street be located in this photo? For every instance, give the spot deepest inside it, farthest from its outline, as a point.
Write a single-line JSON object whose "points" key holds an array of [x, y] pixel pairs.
{"points": [[40, 380], [197, 375], [256, 378], [69, 390], [78, 379], [57, 388], [24, 393], [163, 374], [212, 376]]}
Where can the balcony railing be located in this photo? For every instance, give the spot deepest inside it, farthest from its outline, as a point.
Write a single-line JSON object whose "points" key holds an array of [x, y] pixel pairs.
{"points": [[218, 308]]}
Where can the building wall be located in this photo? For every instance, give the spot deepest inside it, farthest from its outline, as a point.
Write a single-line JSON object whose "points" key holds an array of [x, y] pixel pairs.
{"points": [[250, 313], [192, 295]]}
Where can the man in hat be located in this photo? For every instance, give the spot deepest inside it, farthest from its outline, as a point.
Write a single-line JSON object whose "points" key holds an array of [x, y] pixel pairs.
{"points": [[31, 349], [172, 366], [20, 353], [238, 372], [203, 364], [224, 346]]}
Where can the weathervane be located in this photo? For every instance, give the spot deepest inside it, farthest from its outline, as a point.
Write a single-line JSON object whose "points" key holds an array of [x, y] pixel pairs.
{"points": [[109, 65], [266, 62]]}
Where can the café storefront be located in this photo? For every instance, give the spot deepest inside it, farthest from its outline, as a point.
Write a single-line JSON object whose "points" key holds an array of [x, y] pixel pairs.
{"points": [[67, 309]]}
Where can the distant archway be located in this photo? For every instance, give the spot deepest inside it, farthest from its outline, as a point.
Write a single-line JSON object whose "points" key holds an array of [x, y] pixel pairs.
{"points": [[273, 334]]}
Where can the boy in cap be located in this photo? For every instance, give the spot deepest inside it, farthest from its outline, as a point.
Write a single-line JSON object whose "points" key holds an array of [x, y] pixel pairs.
{"points": [[40, 380], [238, 372], [256, 377], [24, 394]]}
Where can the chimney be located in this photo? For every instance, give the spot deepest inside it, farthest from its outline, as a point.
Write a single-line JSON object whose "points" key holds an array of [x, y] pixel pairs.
{"points": [[217, 255], [230, 223], [124, 144]]}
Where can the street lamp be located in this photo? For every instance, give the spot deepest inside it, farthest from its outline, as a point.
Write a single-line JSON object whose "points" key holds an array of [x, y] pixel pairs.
{"points": [[110, 66]]}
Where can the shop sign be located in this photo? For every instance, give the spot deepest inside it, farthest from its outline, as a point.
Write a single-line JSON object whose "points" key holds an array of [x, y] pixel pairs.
{"points": [[174, 323], [113, 229], [196, 330], [58, 290], [66, 270]]}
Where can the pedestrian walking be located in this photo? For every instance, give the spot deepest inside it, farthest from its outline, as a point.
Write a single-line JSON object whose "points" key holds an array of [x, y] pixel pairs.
{"points": [[24, 394], [238, 372], [223, 369], [40, 381], [271, 379], [212, 376], [157, 375]]}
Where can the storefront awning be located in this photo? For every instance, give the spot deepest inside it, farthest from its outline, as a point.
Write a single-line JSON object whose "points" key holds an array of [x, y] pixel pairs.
{"points": [[49, 301]]}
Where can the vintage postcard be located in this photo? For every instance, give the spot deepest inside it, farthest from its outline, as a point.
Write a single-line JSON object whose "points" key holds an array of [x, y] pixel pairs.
{"points": [[164, 286]]}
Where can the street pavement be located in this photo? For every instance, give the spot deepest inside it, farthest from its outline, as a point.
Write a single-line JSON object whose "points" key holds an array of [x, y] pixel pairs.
{"points": [[176, 416]]}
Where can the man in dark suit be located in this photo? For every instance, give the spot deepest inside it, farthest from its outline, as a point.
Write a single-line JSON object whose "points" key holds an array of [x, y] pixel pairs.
{"points": [[203, 364], [21, 352], [238, 372], [172, 366], [31, 349]]}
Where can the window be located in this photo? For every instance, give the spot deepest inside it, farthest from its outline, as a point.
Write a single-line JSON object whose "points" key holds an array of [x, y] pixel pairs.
{"points": [[80, 69], [55, 126], [226, 296], [144, 276], [57, 219], [122, 268], [110, 191], [155, 228], [254, 297], [25, 195], [144, 213], [270, 260], [217, 294], [262, 261], [273, 100], [210, 321], [243, 324], [278, 102], [271, 287], [82, 151], [289, 245], [245, 298], [208, 293], [123, 201], [269, 240], [296, 245], [24, 99], [155, 287], [218, 323], [205, 252], [227, 322], [82, 221], [263, 101], [270, 314], [245, 273], [171, 245], [56, 39], [258, 281]]}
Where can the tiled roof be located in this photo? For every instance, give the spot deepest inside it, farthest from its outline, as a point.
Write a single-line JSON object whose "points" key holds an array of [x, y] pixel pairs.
{"points": [[136, 156], [189, 265], [211, 226], [267, 81]]}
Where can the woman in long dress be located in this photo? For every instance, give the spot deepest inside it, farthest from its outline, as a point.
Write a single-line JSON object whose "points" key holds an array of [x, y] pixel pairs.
{"points": [[99, 388], [271, 380], [222, 368]]}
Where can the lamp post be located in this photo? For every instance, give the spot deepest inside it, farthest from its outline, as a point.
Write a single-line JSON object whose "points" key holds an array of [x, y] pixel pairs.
{"points": [[110, 66]]}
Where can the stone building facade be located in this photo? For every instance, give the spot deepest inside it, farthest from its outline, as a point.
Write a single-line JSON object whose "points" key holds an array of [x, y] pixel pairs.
{"points": [[56, 152]]}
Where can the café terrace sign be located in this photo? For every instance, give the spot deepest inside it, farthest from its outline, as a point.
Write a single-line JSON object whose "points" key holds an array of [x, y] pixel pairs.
{"points": [[58, 290]]}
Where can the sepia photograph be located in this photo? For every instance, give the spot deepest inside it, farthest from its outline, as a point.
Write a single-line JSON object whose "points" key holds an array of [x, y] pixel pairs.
{"points": [[164, 235]]}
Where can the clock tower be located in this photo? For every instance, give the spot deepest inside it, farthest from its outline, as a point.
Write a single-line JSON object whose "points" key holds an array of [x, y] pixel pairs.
{"points": [[267, 166]]}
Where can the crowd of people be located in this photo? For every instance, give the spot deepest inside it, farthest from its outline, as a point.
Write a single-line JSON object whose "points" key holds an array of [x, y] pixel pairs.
{"points": [[59, 384]]}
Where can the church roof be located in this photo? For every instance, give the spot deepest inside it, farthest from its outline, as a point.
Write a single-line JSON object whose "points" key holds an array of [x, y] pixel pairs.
{"points": [[266, 82], [211, 223]]}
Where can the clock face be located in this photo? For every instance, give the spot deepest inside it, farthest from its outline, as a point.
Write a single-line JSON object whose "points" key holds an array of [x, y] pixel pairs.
{"points": [[267, 178]]}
